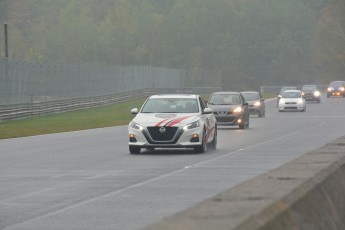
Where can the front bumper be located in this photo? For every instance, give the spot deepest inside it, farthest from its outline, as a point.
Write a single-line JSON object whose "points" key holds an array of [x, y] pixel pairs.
{"points": [[293, 107], [311, 97], [233, 119], [336, 93], [253, 110], [181, 139]]}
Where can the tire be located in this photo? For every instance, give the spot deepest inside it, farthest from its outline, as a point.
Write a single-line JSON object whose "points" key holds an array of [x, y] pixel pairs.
{"points": [[134, 149], [213, 144], [247, 125], [203, 147], [241, 126], [260, 113]]}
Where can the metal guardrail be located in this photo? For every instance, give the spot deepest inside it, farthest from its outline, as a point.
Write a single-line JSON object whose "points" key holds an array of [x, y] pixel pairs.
{"points": [[9, 112]]}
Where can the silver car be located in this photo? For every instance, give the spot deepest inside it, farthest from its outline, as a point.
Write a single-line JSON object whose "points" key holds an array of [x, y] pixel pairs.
{"points": [[230, 109], [256, 103]]}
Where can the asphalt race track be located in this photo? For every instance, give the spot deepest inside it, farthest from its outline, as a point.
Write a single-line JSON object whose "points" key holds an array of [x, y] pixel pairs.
{"points": [[88, 179]]}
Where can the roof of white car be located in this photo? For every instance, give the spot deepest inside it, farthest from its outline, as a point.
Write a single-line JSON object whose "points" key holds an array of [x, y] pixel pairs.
{"points": [[193, 96]]}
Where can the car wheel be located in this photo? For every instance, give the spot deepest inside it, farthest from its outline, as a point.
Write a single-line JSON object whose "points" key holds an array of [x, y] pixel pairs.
{"points": [[213, 144], [241, 126], [327, 95], [203, 147], [134, 149], [260, 114], [247, 125]]}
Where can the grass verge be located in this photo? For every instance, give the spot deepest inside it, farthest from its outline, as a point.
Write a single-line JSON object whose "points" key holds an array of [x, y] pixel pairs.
{"points": [[106, 116]]}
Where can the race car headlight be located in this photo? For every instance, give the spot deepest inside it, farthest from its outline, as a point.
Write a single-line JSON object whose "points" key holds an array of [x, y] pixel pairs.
{"points": [[237, 109], [316, 93], [329, 89], [281, 101], [300, 101], [342, 89], [192, 125], [135, 126], [257, 103]]}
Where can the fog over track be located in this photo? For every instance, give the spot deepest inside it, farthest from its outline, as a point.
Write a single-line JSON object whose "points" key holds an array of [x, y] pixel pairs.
{"points": [[88, 179]]}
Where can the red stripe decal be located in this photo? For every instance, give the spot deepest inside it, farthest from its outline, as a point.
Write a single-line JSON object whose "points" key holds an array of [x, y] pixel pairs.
{"points": [[176, 121], [159, 123]]}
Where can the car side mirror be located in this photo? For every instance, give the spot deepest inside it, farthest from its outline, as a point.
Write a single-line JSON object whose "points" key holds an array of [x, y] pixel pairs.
{"points": [[134, 111], [207, 111]]}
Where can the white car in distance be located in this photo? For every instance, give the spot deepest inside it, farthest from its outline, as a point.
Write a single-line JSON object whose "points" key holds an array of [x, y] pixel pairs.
{"points": [[173, 121], [292, 100]]}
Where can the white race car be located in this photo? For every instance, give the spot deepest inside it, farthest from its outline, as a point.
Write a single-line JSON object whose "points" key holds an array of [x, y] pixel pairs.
{"points": [[173, 121]]}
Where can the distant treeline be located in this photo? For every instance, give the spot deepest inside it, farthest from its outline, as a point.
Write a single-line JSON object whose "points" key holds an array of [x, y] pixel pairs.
{"points": [[242, 42]]}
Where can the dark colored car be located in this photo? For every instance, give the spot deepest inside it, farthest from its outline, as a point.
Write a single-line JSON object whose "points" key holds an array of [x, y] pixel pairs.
{"points": [[282, 90], [336, 88], [256, 103], [230, 108], [311, 93]]}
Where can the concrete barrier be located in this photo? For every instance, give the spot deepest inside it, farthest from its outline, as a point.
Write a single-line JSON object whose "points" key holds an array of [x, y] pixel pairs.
{"points": [[307, 193]]}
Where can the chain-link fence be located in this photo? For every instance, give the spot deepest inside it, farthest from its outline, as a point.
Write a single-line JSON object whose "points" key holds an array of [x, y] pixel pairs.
{"points": [[23, 82]]}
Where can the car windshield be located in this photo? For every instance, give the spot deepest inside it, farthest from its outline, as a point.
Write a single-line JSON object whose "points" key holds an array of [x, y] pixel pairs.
{"points": [[251, 96], [288, 94], [337, 83], [309, 88], [286, 88], [170, 105], [225, 99]]}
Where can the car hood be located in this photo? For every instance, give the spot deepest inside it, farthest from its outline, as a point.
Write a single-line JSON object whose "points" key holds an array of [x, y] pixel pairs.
{"points": [[336, 87], [165, 119], [222, 107], [290, 99], [252, 102]]}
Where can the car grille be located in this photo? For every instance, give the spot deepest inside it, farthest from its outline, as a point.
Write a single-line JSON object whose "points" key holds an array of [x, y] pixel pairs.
{"points": [[293, 107], [225, 119], [222, 113], [156, 135], [290, 103]]}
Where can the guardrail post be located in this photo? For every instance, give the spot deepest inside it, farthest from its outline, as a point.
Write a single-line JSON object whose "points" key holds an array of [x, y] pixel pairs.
{"points": [[6, 40]]}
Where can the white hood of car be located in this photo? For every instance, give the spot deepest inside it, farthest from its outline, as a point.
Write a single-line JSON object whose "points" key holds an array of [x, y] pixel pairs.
{"points": [[165, 119], [291, 99]]}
